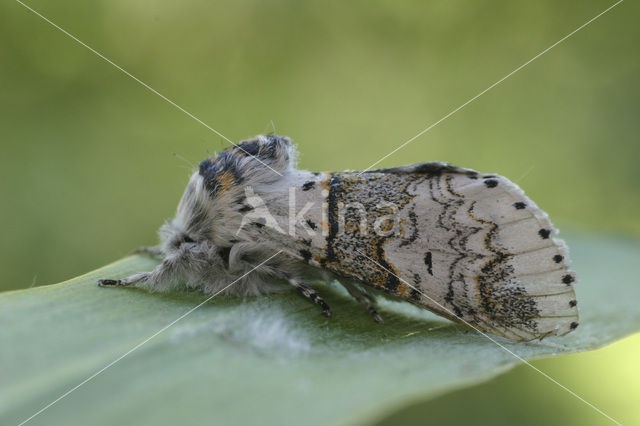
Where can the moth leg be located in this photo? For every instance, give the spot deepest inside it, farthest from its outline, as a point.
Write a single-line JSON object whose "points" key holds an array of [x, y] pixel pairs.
{"points": [[364, 299], [171, 270], [125, 282], [310, 293], [151, 251]]}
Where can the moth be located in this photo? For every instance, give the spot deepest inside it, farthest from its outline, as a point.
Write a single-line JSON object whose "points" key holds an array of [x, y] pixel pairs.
{"points": [[467, 246]]}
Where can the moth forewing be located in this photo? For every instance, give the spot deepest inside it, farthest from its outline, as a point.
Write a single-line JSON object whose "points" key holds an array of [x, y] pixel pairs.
{"points": [[470, 247]]}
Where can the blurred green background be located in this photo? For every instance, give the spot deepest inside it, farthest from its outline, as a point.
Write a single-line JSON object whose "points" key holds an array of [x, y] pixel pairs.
{"points": [[87, 171]]}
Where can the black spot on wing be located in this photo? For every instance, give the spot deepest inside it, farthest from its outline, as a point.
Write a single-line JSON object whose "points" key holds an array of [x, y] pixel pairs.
{"points": [[558, 258], [306, 255], [568, 279], [428, 262], [519, 205], [544, 233], [415, 294], [491, 183]]}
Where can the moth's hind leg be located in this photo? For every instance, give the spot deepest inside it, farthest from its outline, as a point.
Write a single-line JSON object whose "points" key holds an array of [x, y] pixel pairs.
{"points": [[311, 294], [365, 299], [125, 282]]}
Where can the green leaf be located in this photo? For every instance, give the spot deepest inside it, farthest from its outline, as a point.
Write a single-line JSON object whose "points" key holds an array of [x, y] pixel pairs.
{"points": [[271, 360]]}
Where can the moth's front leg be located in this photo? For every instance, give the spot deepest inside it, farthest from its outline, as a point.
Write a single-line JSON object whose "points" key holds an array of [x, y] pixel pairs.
{"points": [[125, 282], [311, 294], [135, 278], [161, 273], [172, 269]]}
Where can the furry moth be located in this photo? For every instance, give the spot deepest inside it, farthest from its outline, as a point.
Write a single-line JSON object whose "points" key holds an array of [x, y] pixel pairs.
{"points": [[467, 246]]}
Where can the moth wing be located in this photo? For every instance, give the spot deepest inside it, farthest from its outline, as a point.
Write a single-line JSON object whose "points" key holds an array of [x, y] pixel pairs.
{"points": [[483, 253]]}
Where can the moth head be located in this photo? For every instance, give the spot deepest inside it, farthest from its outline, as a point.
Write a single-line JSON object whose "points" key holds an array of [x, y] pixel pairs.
{"points": [[191, 225], [209, 208]]}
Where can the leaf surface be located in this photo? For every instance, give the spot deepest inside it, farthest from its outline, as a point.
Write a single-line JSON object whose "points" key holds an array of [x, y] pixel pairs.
{"points": [[266, 361]]}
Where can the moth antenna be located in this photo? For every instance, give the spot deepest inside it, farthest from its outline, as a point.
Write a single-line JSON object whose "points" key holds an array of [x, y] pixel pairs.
{"points": [[180, 157], [273, 128], [206, 148]]}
